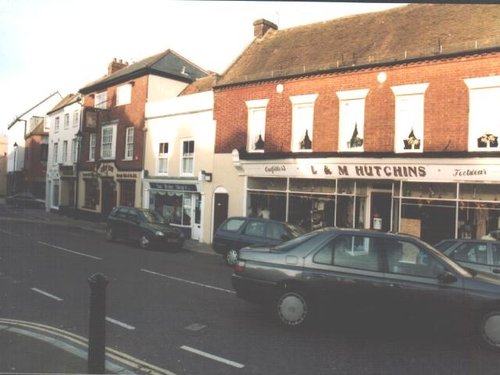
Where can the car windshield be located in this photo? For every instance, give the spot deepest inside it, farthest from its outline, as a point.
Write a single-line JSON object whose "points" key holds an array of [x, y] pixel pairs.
{"points": [[298, 241], [153, 217], [295, 230]]}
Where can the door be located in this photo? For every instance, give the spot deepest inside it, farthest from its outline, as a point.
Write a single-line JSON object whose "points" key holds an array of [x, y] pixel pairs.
{"points": [[108, 200], [196, 214], [220, 209], [380, 211]]}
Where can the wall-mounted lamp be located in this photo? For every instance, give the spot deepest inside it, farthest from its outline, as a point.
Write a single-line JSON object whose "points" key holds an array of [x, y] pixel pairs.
{"points": [[205, 176]]}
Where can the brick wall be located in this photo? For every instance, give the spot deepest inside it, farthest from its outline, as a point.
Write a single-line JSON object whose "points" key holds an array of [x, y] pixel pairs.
{"points": [[445, 113]]}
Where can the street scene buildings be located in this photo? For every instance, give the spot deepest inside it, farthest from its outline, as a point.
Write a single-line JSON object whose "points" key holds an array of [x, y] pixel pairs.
{"points": [[386, 120]]}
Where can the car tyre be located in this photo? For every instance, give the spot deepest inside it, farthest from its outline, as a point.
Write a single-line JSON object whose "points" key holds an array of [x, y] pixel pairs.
{"points": [[293, 308], [489, 329], [110, 234], [231, 257], [144, 241]]}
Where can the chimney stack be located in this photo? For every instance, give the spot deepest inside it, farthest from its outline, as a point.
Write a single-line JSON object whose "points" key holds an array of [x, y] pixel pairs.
{"points": [[116, 65], [261, 26]]}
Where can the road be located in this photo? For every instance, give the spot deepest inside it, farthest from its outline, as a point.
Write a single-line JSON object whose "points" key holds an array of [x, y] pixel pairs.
{"points": [[178, 311]]}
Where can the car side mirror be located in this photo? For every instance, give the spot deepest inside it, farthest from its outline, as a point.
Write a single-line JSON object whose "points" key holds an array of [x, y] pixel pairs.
{"points": [[447, 278]]}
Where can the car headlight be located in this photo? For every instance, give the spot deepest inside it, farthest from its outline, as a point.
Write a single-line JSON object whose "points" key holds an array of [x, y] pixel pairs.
{"points": [[159, 233]]}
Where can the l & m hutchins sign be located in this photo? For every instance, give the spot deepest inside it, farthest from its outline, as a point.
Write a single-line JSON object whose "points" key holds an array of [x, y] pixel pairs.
{"points": [[439, 170]]}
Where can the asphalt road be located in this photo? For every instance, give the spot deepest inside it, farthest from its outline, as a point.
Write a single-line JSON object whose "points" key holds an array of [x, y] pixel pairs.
{"points": [[178, 311]]}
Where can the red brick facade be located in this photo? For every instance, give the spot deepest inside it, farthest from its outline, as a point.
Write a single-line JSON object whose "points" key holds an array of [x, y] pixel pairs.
{"points": [[445, 112]]}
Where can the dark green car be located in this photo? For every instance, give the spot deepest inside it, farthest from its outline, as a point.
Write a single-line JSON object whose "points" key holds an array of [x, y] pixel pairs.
{"points": [[146, 227]]}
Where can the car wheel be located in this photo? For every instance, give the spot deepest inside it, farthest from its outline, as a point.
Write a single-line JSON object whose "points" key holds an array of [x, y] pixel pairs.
{"points": [[110, 234], [231, 257], [144, 241], [292, 308], [490, 330]]}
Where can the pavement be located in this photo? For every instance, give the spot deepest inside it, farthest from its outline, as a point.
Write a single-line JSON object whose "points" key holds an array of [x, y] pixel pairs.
{"points": [[33, 348]]}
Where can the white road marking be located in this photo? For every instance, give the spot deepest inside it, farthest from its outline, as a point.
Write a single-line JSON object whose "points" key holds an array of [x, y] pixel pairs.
{"points": [[118, 323], [69, 251], [46, 294], [11, 233], [188, 281], [214, 357]]}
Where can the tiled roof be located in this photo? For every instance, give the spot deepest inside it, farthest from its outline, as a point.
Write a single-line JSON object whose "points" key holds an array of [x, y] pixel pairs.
{"points": [[400, 34], [200, 85], [67, 100], [167, 63]]}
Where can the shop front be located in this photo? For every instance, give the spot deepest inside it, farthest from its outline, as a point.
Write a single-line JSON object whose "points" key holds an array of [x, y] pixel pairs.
{"points": [[179, 201], [429, 198]]}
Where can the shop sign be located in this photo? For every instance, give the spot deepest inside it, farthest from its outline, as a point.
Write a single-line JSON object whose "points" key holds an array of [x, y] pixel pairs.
{"points": [[403, 170], [172, 186], [106, 170], [126, 175]]}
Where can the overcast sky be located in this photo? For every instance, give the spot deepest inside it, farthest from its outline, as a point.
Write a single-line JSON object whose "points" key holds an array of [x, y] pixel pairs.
{"points": [[60, 45]]}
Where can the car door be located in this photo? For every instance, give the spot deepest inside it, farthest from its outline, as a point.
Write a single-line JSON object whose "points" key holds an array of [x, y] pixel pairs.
{"points": [[118, 222], [346, 274], [417, 291], [254, 232], [495, 257], [134, 230]]}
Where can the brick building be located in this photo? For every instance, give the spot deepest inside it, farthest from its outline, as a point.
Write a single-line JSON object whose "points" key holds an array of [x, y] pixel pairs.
{"points": [[35, 159], [386, 120], [112, 154]]}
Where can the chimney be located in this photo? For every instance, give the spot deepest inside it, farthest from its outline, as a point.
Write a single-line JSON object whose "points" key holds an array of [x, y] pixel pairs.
{"points": [[116, 65], [261, 26]]}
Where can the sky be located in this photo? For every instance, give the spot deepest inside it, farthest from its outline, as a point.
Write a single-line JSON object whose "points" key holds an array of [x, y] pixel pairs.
{"points": [[61, 45]]}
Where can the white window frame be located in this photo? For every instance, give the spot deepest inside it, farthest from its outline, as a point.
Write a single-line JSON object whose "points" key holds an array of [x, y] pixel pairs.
{"points": [[187, 157], [65, 152], [101, 100], [409, 117], [302, 120], [74, 146], [56, 150], [484, 113], [92, 144], [112, 143], [162, 159], [129, 143], [352, 120], [66, 121], [56, 124], [256, 123], [76, 118], [124, 94]]}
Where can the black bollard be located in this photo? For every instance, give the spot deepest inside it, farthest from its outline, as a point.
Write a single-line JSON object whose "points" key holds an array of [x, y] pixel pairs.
{"points": [[97, 324]]}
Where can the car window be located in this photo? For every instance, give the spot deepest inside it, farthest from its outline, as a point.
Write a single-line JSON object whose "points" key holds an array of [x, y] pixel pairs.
{"points": [[352, 251], [275, 231], [445, 244], [153, 217], [406, 258], [121, 213], [255, 228], [495, 250], [471, 252], [133, 216], [233, 225]]}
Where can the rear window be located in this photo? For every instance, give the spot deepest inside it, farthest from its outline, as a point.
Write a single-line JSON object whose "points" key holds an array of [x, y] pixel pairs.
{"points": [[233, 225]]}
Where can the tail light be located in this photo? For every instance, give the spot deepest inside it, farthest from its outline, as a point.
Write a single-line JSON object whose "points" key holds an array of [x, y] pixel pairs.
{"points": [[239, 266]]}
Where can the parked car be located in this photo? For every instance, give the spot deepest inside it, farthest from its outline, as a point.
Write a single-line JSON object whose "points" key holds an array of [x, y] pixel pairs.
{"points": [[237, 232], [146, 227], [25, 199], [367, 274], [480, 255]]}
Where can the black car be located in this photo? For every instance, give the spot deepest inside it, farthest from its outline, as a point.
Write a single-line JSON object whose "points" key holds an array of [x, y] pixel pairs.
{"points": [[480, 255], [146, 227], [26, 199], [237, 232], [366, 274]]}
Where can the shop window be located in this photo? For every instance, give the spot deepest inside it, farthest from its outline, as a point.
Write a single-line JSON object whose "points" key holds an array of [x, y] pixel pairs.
{"points": [[409, 131], [256, 125], [267, 205], [108, 141], [187, 157], [176, 208], [484, 113], [302, 122], [351, 120], [91, 194], [92, 143], [127, 193], [123, 94], [163, 158], [129, 143]]}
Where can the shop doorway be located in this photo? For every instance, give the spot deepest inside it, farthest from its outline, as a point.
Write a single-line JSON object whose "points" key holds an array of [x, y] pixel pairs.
{"points": [[196, 214], [220, 209], [108, 196], [380, 211]]}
